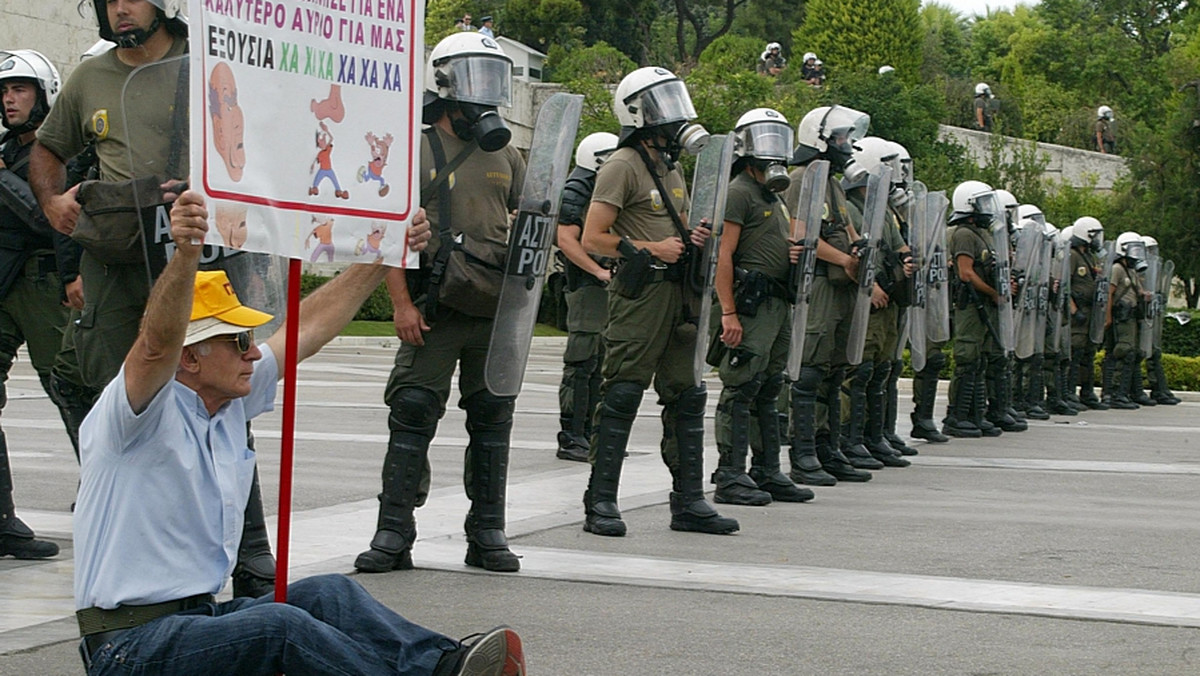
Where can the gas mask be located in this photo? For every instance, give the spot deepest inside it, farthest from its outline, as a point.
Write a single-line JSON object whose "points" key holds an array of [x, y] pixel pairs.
{"points": [[681, 137], [841, 159], [899, 197], [482, 124], [775, 175]]}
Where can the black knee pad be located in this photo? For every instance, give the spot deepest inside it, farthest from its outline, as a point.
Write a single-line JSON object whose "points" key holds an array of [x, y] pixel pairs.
{"points": [[414, 409], [691, 402], [771, 387], [485, 408], [862, 374], [934, 362], [622, 400], [748, 391], [810, 378]]}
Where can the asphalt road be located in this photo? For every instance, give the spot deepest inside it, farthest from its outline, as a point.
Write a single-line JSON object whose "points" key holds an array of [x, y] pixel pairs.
{"points": [[1071, 548]]}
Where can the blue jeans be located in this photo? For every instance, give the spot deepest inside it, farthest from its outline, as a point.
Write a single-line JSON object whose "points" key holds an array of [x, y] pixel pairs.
{"points": [[329, 625]]}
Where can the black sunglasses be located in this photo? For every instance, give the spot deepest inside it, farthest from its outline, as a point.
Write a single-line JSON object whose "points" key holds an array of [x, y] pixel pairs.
{"points": [[244, 340]]}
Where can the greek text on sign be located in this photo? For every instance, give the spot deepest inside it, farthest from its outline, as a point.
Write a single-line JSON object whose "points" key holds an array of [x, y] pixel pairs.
{"points": [[531, 244]]}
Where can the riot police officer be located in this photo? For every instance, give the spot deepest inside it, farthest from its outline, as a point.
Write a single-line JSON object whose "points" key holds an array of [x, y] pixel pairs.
{"points": [[444, 311], [637, 213], [1087, 240], [976, 312], [755, 322], [587, 301], [827, 133], [1154, 369], [1125, 311], [37, 265]]}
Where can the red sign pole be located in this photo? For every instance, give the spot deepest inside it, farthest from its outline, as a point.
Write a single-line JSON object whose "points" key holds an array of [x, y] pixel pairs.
{"points": [[288, 433]]}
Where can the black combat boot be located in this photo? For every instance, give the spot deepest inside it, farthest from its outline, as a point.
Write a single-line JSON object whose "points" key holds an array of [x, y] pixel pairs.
{"points": [[891, 402], [828, 452], [979, 403], [1137, 393], [958, 422], [1056, 403], [689, 510], [1065, 380], [1118, 377], [489, 428], [999, 396], [573, 412], [855, 449], [1085, 365], [1158, 381], [412, 423], [806, 466], [614, 419], [925, 384], [734, 486], [873, 439], [1034, 389], [16, 538], [254, 573], [764, 469]]}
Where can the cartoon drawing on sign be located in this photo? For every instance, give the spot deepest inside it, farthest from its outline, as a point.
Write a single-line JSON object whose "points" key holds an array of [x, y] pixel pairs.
{"points": [[227, 120], [330, 108], [323, 160], [373, 171], [231, 223], [323, 232], [370, 246]]}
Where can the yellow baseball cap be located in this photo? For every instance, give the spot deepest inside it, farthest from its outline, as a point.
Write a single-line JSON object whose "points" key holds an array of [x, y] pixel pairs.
{"points": [[217, 311]]}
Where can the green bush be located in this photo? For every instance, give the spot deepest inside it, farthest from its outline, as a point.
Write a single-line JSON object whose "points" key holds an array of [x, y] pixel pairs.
{"points": [[1183, 340], [1183, 373], [377, 307]]}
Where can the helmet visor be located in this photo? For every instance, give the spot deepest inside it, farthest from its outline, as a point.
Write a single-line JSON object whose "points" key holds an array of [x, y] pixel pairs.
{"points": [[767, 141], [1136, 251], [666, 102], [987, 203], [843, 126], [485, 80]]}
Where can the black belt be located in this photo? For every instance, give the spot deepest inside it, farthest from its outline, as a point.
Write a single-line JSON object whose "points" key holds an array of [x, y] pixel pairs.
{"points": [[99, 626], [671, 273]]}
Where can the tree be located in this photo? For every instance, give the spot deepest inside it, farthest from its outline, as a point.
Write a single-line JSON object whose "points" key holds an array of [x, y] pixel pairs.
{"points": [[862, 35], [592, 71], [542, 24], [624, 24]]}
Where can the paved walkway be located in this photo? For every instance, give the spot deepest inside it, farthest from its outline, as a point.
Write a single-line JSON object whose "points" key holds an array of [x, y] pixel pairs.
{"points": [[1070, 548]]}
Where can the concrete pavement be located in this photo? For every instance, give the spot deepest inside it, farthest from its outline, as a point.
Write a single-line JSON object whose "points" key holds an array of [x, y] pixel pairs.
{"points": [[1069, 548]]}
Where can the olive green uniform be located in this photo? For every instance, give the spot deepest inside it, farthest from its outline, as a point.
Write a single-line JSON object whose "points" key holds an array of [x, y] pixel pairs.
{"points": [[1085, 270], [976, 319], [482, 190], [752, 373], [650, 337], [1121, 338]]}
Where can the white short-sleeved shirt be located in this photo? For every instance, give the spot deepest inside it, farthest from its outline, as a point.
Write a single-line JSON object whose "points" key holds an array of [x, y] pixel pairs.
{"points": [[163, 493]]}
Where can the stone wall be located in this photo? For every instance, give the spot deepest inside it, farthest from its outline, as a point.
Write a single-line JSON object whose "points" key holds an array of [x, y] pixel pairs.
{"points": [[52, 27], [1075, 167]]}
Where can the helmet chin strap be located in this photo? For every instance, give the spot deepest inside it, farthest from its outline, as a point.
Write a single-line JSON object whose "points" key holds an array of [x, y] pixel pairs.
{"points": [[136, 36]]}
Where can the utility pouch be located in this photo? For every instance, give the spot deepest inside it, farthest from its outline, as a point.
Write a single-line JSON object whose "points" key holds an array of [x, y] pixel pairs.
{"points": [[751, 291], [111, 218], [716, 350], [634, 273], [474, 275], [840, 240]]}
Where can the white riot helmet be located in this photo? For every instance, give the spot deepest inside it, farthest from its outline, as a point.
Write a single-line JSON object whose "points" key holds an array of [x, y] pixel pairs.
{"points": [[1104, 113], [470, 69], [772, 46], [1087, 231], [974, 198], [594, 149], [1151, 244], [870, 155], [982, 89], [1009, 203], [1131, 246], [26, 64], [830, 131], [764, 136], [809, 56], [654, 97], [169, 11], [1031, 212]]}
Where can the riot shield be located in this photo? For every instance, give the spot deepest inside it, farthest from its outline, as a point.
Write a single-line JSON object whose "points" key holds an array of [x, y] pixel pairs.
{"points": [[1060, 309], [937, 276], [710, 185], [913, 327], [1101, 299], [1162, 294], [154, 104], [1026, 265], [874, 211], [1004, 332], [806, 229], [1043, 298], [1149, 286], [529, 243]]}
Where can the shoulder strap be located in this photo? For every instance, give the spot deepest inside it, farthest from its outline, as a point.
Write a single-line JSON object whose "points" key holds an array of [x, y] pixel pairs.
{"points": [[441, 167], [675, 218]]}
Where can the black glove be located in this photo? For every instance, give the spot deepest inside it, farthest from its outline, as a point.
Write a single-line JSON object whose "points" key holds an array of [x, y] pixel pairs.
{"points": [[1079, 318]]}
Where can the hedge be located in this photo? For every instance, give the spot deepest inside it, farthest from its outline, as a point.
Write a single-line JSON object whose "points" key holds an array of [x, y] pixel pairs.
{"points": [[377, 308]]}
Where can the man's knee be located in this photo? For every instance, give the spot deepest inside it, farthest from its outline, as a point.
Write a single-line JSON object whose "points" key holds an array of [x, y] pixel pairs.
{"points": [[623, 399], [485, 408], [414, 408]]}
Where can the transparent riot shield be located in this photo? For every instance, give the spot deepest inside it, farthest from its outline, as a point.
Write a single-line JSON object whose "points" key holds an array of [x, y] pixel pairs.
{"points": [[1103, 296], [710, 186], [874, 211], [914, 324], [1060, 308], [1149, 288], [1003, 332], [529, 243], [1046, 260], [1162, 294], [806, 229], [154, 112], [937, 277], [1026, 265]]}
